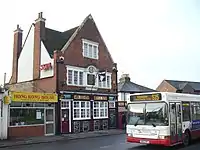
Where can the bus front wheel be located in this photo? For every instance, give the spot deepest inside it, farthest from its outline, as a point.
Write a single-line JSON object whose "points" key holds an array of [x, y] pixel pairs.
{"points": [[187, 138]]}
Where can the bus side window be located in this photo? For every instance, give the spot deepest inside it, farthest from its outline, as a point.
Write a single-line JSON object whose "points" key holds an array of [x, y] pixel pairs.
{"points": [[186, 111]]}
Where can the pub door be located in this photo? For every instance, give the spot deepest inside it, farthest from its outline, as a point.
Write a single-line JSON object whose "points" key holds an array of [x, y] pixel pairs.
{"points": [[65, 117]]}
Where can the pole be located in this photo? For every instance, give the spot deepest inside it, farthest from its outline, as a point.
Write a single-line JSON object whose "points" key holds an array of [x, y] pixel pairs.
{"points": [[58, 103], [1, 98]]}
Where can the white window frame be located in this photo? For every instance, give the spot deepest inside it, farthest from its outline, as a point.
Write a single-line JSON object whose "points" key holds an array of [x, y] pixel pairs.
{"points": [[85, 71], [99, 108], [101, 84], [94, 44], [86, 108], [78, 70]]}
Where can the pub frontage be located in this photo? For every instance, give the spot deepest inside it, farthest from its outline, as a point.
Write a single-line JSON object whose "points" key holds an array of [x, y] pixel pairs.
{"points": [[31, 114], [87, 112]]}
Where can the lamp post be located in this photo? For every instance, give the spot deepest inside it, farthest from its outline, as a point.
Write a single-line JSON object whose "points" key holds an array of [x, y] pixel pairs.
{"points": [[60, 60]]}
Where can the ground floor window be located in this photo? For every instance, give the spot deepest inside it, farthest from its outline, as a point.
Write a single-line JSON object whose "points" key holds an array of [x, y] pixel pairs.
{"points": [[26, 116], [100, 110], [81, 110], [27, 113]]}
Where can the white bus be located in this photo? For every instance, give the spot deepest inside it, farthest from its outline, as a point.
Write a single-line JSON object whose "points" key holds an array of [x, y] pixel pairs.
{"points": [[163, 118]]}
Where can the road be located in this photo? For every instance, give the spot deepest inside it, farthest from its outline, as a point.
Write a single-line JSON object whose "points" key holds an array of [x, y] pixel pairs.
{"points": [[115, 142]]}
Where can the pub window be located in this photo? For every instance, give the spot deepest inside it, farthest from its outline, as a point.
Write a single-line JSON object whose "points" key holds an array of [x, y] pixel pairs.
{"points": [[195, 111], [81, 110], [100, 110], [186, 111]]}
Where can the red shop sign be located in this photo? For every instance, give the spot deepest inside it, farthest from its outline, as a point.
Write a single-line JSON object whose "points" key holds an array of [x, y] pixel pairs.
{"points": [[46, 66]]}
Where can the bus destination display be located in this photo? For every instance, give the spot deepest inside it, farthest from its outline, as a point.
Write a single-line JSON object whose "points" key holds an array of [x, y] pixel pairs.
{"points": [[146, 97]]}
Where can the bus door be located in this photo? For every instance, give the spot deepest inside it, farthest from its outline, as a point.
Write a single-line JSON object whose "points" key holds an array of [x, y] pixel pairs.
{"points": [[175, 123]]}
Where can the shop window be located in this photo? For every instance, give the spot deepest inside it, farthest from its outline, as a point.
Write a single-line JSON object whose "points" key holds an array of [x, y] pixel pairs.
{"points": [[24, 116], [81, 110], [100, 110]]}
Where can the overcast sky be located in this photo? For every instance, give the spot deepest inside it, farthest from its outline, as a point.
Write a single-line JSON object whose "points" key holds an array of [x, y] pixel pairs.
{"points": [[151, 40]]}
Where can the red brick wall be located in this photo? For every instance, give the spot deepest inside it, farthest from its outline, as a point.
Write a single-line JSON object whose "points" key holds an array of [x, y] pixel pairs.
{"points": [[26, 131]]}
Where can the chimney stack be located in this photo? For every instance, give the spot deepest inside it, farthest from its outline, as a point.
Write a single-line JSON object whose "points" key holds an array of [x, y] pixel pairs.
{"points": [[17, 48], [125, 78], [39, 35]]}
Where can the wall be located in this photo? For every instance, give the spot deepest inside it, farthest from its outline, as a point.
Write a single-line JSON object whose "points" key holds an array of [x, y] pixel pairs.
{"points": [[25, 62], [45, 58]]}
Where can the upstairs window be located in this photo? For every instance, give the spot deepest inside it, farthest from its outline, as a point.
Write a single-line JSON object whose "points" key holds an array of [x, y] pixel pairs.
{"points": [[75, 77], [90, 49]]}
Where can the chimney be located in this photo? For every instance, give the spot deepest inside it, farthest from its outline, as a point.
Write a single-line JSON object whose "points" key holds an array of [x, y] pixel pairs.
{"points": [[125, 78], [39, 35], [17, 48]]}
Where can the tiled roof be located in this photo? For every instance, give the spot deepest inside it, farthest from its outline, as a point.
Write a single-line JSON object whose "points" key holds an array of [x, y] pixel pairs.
{"points": [[179, 85], [55, 40], [132, 87]]}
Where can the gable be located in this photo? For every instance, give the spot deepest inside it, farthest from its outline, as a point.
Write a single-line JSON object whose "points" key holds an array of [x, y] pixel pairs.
{"points": [[166, 87], [88, 30]]}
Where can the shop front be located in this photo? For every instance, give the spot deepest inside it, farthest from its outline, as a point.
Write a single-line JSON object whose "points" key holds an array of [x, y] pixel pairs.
{"points": [[86, 112], [31, 114]]}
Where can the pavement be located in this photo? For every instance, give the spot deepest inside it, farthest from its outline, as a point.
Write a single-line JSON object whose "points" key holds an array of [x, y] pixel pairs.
{"points": [[64, 137], [112, 142]]}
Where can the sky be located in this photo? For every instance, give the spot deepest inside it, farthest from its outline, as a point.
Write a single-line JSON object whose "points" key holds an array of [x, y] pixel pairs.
{"points": [[151, 40]]}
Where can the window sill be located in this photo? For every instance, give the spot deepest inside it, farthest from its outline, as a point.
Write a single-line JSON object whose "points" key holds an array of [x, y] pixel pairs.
{"points": [[90, 57], [77, 119], [101, 117], [32, 125]]}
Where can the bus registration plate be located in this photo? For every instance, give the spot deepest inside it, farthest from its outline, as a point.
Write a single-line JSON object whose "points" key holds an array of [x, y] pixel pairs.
{"points": [[144, 142]]}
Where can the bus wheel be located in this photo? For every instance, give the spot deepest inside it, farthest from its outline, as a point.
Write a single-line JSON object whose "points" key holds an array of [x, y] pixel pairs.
{"points": [[187, 138]]}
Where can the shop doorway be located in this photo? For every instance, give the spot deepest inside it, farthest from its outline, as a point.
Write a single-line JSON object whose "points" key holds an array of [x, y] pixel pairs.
{"points": [[49, 121], [65, 116]]}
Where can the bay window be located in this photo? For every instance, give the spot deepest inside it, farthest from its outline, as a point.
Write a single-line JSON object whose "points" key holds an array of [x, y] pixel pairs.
{"points": [[81, 110], [100, 110]]}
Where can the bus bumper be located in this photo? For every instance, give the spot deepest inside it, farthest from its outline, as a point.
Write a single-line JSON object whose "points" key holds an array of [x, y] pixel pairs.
{"points": [[164, 142]]}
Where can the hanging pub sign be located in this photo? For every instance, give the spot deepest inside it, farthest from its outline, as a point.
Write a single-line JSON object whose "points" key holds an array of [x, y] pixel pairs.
{"points": [[46, 67]]}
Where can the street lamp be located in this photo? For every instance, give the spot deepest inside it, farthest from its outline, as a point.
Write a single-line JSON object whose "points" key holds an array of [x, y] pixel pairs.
{"points": [[60, 60]]}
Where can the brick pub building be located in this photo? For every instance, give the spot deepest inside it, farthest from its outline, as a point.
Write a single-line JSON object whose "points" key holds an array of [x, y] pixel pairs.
{"points": [[77, 65]]}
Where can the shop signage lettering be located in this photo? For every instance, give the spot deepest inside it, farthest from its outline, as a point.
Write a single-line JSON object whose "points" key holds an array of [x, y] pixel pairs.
{"points": [[83, 97], [33, 97], [46, 67], [100, 98]]}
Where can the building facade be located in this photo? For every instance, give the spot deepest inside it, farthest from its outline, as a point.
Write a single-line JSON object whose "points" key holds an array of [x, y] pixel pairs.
{"points": [[75, 64], [179, 86], [125, 88]]}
